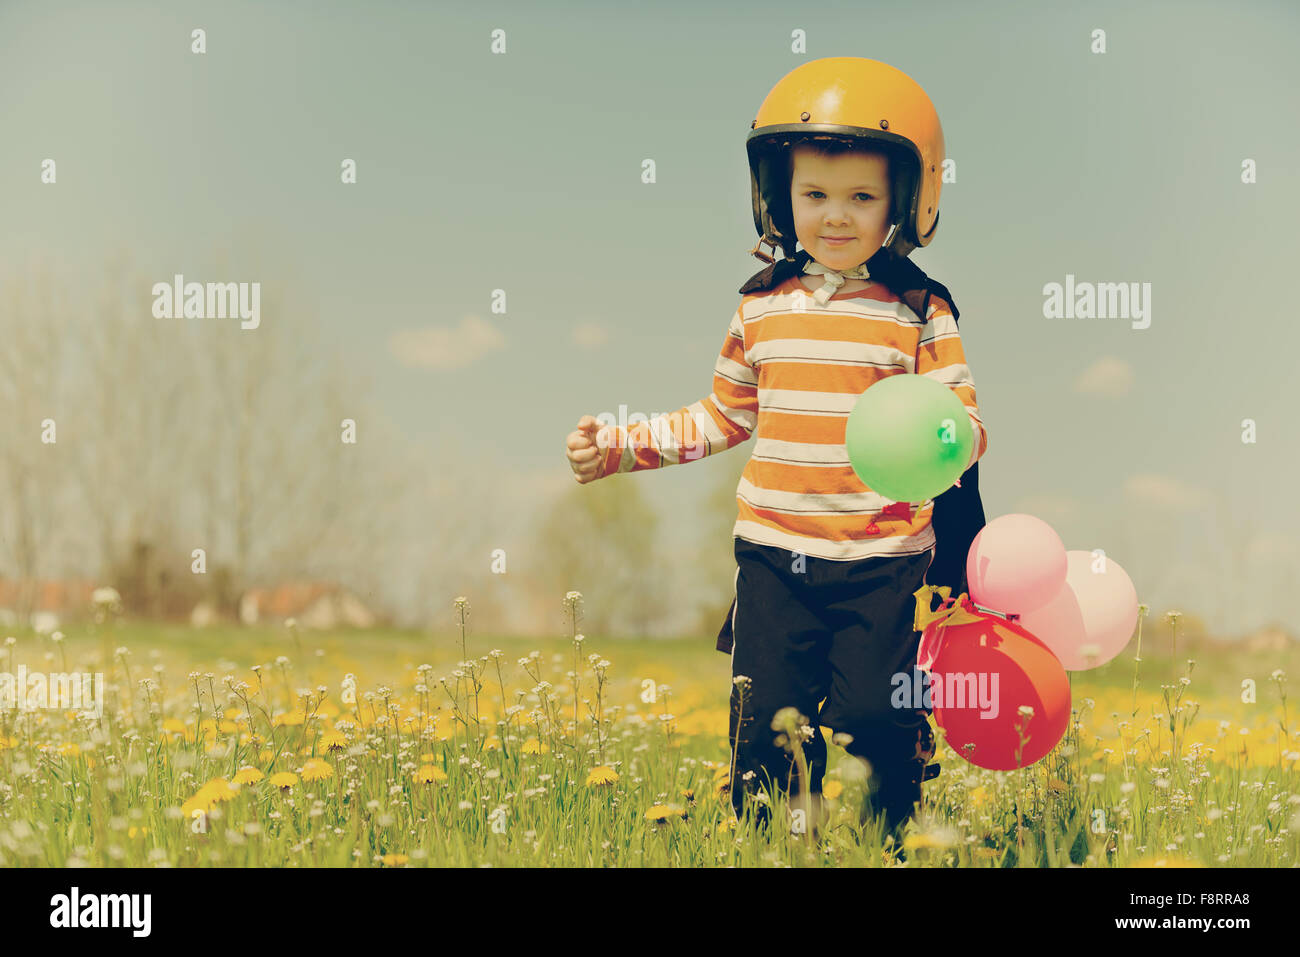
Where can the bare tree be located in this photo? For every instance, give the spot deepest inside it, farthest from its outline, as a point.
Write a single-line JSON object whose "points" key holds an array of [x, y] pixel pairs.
{"points": [[195, 433], [179, 434], [295, 497], [601, 539], [33, 324]]}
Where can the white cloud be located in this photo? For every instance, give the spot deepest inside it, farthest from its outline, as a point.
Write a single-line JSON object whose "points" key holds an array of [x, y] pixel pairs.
{"points": [[443, 347], [1164, 491], [590, 335], [1109, 376]]}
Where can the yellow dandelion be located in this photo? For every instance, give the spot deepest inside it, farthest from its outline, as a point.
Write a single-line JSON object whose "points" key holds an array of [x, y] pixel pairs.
{"points": [[659, 813], [284, 780], [221, 790], [175, 726], [601, 775], [215, 790], [533, 746], [70, 748], [722, 780], [202, 801], [136, 831], [290, 719], [428, 758], [921, 840], [429, 773], [333, 741], [6, 742], [317, 769], [978, 796], [1057, 786], [832, 789], [248, 775], [728, 823], [394, 860]]}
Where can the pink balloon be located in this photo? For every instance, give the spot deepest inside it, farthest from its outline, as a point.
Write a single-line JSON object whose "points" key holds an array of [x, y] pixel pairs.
{"points": [[1015, 564], [1091, 619]]}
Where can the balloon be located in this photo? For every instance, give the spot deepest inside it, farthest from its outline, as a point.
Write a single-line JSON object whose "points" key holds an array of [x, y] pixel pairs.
{"points": [[1015, 564], [981, 675], [1090, 620], [909, 437]]}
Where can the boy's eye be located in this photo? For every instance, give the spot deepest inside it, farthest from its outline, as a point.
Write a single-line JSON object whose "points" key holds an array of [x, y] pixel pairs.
{"points": [[817, 192]]}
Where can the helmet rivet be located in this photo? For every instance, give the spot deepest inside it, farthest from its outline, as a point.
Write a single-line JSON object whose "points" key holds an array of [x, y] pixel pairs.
{"points": [[884, 124], [755, 123], [804, 117]]}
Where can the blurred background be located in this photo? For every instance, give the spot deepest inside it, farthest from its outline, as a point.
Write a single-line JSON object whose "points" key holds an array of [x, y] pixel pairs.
{"points": [[500, 268]]}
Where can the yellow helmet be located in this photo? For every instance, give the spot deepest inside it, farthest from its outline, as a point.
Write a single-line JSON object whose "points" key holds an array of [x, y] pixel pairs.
{"points": [[858, 100]]}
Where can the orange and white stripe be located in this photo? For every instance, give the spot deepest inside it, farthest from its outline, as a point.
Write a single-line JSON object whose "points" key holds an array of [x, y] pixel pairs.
{"points": [[791, 371]]}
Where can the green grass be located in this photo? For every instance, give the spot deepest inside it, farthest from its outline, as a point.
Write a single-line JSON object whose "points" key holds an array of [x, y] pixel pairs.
{"points": [[111, 792]]}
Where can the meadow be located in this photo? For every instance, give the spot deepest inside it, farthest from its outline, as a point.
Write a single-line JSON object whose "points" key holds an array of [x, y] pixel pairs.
{"points": [[253, 747]]}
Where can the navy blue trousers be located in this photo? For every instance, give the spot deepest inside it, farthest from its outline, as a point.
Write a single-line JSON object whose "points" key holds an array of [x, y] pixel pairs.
{"points": [[837, 631]]}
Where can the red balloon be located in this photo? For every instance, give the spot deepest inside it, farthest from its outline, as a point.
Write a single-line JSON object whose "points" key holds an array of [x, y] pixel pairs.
{"points": [[983, 672]]}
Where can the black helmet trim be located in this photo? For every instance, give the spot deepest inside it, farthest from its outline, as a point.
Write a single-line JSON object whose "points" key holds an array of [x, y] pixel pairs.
{"points": [[768, 151]]}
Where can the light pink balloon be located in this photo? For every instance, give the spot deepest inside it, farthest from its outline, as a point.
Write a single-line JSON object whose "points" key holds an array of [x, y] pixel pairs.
{"points": [[1015, 564], [1091, 619]]}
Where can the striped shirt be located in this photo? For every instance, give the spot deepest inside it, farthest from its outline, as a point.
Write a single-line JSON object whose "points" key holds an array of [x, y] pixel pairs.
{"points": [[792, 371]]}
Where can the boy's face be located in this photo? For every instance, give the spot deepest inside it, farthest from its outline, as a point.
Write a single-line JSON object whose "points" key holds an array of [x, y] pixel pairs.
{"points": [[834, 196]]}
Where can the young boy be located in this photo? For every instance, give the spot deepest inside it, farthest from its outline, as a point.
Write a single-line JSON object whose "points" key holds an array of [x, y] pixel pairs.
{"points": [[845, 157]]}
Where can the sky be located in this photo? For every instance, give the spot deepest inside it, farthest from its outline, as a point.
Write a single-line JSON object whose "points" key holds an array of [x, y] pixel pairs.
{"points": [[521, 171]]}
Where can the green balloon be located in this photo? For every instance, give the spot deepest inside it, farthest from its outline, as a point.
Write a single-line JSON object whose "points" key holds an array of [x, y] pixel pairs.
{"points": [[909, 438]]}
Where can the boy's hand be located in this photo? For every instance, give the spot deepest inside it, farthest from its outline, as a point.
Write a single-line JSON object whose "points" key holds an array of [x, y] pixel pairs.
{"points": [[585, 458]]}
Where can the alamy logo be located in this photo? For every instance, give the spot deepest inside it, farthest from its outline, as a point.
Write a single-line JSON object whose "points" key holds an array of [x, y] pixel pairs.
{"points": [[662, 429], [1103, 300], [214, 300], [954, 690], [35, 690], [102, 910]]}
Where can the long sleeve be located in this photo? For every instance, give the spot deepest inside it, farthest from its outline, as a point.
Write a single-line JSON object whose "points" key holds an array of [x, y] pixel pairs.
{"points": [[939, 355], [723, 419]]}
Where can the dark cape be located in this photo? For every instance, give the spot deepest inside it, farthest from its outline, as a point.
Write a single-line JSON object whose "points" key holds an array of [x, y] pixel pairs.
{"points": [[958, 513]]}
